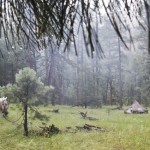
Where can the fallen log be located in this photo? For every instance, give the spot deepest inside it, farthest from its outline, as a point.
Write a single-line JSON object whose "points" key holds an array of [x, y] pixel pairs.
{"points": [[90, 127], [49, 130], [84, 116], [55, 110], [91, 118], [116, 108]]}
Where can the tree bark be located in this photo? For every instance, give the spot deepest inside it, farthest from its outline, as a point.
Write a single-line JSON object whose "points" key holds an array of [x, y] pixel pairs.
{"points": [[120, 77], [25, 119], [53, 99]]}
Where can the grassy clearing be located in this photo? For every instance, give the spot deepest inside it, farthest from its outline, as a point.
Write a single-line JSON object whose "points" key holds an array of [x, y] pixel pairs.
{"points": [[124, 132]]}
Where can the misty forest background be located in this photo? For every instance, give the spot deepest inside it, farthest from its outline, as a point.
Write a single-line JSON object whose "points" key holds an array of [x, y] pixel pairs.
{"points": [[116, 76], [58, 58]]}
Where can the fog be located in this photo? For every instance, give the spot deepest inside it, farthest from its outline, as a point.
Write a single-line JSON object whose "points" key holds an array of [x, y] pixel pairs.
{"points": [[113, 74], [116, 72]]}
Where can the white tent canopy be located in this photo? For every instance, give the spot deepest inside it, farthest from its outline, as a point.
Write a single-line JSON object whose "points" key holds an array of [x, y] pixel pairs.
{"points": [[136, 108]]}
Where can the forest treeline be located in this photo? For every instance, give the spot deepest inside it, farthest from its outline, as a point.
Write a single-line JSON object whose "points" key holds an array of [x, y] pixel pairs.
{"points": [[120, 77]]}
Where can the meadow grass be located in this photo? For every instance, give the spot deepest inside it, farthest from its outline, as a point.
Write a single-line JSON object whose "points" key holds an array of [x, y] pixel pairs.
{"points": [[122, 131]]}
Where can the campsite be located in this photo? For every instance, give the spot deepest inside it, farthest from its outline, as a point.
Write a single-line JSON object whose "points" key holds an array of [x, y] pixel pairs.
{"points": [[120, 131], [74, 74], [136, 108]]}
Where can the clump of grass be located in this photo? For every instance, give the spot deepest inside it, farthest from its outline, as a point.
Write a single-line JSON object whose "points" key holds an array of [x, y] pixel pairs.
{"points": [[40, 116]]}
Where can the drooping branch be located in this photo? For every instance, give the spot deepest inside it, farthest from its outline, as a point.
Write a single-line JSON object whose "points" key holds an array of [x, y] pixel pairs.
{"points": [[43, 22]]}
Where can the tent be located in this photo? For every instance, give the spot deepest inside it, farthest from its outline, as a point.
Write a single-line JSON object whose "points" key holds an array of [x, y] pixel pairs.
{"points": [[136, 108]]}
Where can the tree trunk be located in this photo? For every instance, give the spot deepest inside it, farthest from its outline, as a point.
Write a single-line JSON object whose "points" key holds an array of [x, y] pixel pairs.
{"points": [[111, 91], [12, 74], [85, 104], [1, 17], [53, 99], [120, 77], [106, 95], [25, 119]]}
